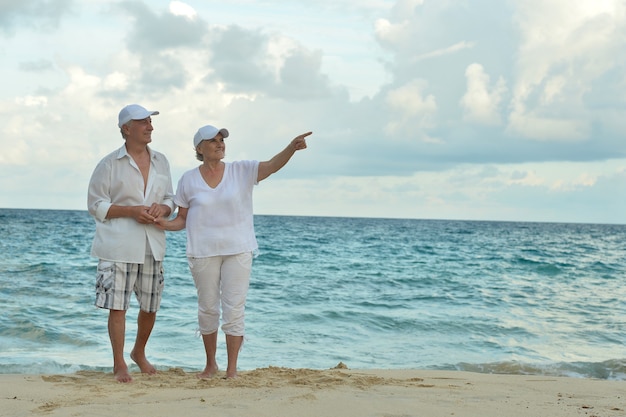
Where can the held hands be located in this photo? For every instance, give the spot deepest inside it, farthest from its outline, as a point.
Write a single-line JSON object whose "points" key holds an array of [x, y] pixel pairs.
{"points": [[149, 215], [177, 223], [161, 223], [164, 223]]}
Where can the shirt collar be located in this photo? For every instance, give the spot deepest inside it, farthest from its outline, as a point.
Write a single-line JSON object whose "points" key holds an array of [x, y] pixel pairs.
{"points": [[121, 152]]}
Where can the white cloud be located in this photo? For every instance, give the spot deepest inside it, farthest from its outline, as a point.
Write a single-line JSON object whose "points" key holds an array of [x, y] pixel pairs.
{"points": [[557, 63], [117, 81], [482, 102], [539, 127], [459, 46], [32, 101], [414, 109], [527, 178], [443, 109], [178, 8], [389, 32]]}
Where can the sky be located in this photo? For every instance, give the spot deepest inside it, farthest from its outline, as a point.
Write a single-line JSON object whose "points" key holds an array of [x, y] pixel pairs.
{"points": [[504, 110]]}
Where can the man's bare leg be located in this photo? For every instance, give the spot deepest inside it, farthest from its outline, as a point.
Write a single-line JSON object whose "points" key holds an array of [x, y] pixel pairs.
{"points": [[210, 347], [117, 333], [145, 323], [233, 346]]}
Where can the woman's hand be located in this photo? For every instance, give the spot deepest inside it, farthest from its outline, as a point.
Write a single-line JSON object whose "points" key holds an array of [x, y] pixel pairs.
{"points": [[299, 142]]}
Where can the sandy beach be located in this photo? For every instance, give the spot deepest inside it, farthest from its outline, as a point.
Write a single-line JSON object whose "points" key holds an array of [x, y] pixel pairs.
{"points": [[275, 392]]}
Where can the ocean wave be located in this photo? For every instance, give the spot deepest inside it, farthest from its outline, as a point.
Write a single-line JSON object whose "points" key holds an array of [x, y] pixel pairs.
{"points": [[614, 369]]}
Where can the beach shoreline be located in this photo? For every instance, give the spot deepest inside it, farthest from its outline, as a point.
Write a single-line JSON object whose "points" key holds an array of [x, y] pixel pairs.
{"points": [[340, 391]]}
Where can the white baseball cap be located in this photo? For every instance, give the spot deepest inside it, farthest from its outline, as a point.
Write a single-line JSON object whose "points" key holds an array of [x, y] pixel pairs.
{"points": [[208, 132], [134, 112]]}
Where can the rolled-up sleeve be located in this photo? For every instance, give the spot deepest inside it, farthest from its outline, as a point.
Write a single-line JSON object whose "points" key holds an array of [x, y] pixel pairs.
{"points": [[98, 199], [168, 199]]}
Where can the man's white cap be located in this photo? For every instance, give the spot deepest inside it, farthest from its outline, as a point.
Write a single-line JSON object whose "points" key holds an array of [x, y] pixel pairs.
{"points": [[134, 112], [207, 132]]}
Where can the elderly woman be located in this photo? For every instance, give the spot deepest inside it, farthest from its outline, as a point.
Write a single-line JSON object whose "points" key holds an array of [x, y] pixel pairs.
{"points": [[215, 205]]}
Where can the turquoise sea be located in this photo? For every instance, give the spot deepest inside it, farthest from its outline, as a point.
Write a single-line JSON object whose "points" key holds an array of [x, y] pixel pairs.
{"points": [[493, 297]]}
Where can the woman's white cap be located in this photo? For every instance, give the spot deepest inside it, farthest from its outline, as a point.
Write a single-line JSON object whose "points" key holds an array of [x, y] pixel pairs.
{"points": [[208, 132]]}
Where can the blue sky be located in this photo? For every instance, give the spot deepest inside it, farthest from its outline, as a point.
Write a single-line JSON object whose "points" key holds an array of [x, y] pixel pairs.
{"points": [[478, 110]]}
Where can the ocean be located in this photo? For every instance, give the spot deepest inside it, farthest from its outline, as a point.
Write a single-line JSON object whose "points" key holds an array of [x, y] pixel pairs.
{"points": [[490, 297]]}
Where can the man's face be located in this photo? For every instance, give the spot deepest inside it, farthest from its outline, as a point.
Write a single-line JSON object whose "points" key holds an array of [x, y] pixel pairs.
{"points": [[140, 130]]}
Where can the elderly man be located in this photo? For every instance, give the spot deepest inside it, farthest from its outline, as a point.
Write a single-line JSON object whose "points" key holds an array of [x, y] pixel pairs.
{"points": [[129, 189]]}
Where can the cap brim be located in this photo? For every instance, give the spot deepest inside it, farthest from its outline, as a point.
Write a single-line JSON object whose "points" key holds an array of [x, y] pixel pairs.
{"points": [[148, 114]]}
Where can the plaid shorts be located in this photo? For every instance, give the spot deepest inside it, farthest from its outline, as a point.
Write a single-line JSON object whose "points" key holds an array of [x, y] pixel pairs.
{"points": [[115, 281]]}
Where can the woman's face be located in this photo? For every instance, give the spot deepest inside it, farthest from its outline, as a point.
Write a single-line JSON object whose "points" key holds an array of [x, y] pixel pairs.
{"points": [[213, 149]]}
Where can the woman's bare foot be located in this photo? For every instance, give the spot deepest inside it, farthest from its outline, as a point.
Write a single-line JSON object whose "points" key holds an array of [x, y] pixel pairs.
{"points": [[121, 374], [143, 364], [207, 373]]}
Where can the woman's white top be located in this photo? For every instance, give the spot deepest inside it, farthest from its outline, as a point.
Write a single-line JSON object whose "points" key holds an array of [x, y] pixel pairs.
{"points": [[219, 220]]}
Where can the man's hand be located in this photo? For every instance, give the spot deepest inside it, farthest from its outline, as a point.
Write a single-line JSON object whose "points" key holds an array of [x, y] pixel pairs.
{"points": [[158, 210], [143, 214]]}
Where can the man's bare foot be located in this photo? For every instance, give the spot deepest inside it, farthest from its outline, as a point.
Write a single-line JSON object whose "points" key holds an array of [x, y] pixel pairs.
{"points": [[143, 364], [121, 374], [207, 373], [231, 374]]}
